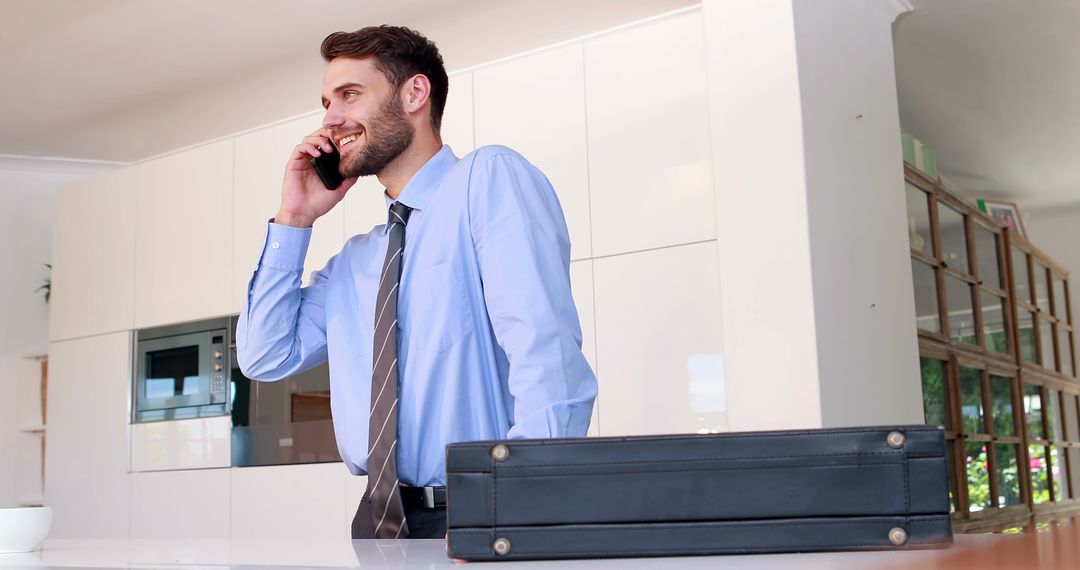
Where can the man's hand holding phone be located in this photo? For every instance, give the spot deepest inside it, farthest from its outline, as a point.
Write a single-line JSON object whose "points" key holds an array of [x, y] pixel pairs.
{"points": [[304, 195]]}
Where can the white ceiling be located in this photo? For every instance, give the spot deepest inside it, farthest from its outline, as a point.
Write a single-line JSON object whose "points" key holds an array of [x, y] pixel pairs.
{"points": [[994, 87], [122, 80]]}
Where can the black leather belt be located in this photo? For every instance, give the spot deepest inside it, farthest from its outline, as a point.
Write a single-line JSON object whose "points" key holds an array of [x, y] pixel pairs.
{"points": [[423, 497]]}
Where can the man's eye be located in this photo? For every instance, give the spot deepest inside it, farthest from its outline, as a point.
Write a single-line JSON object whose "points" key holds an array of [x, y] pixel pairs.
{"points": [[350, 94]]}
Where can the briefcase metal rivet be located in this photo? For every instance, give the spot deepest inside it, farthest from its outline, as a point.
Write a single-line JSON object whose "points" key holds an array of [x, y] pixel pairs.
{"points": [[895, 439], [500, 453], [898, 536], [501, 546]]}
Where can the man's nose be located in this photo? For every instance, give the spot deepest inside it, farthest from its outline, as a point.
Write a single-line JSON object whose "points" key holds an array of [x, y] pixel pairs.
{"points": [[333, 117]]}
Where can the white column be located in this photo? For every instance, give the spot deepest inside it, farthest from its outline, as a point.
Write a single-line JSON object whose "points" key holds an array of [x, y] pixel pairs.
{"points": [[815, 278]]}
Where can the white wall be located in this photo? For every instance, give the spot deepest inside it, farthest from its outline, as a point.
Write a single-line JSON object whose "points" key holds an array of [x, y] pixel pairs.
{"points": [[26, 212], [863, 303], [818, 312]]}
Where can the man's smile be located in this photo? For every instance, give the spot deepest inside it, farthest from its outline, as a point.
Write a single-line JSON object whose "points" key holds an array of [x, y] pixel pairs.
{"points": [[347, 139]]}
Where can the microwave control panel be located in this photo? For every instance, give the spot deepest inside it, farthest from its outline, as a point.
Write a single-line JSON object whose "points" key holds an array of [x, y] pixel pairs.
{"points": [[218, 383]]}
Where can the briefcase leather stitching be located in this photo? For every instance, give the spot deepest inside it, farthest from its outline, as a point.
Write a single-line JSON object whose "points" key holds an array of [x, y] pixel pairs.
{"points": [[904, 522], [709, 460], [591, 472], [823, 434]]}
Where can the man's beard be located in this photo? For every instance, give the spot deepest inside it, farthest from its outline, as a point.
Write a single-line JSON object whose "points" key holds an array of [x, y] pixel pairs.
{"points": [[388, 135]]}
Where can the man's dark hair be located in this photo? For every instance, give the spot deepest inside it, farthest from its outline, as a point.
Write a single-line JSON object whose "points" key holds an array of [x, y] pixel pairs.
{"points": [[399, 53]]}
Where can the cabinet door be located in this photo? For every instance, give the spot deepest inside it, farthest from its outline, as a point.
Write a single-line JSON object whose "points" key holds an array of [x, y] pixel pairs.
{"points": [[661, 307], [545, 122], [185, 504], [260, 165], [86, 455], [290, 501], [183, 235], [93, 257], [650, 164]]}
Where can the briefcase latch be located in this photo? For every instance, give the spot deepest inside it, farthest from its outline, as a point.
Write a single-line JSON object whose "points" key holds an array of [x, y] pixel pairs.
{"points": [[898, 536], [895, 439]]}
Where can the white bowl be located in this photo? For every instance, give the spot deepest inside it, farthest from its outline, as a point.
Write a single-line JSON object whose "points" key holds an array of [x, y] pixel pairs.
{"points": [[23, 529]]}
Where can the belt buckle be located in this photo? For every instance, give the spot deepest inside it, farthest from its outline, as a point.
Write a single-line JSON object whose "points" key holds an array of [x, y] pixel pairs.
{"points": [[429, 498]]}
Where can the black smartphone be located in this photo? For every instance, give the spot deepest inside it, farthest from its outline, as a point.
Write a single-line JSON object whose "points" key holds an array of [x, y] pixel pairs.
{"points": [[326, 165]]}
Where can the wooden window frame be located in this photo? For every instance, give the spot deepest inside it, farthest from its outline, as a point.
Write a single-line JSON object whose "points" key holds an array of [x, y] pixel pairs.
{"points": [[954, 354]]}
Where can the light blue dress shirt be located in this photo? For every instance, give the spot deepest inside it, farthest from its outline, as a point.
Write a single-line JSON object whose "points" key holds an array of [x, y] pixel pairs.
{"points": [[489, 343]]}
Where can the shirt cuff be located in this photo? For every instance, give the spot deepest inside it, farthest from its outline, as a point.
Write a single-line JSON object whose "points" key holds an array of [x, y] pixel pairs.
{"points": [[285, 247]]}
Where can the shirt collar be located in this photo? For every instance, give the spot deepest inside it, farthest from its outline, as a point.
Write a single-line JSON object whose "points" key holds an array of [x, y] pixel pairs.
{"points": [[416, 193]]}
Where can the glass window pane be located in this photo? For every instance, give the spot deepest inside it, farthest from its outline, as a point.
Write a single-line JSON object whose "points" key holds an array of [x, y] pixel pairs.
{"points": [[995, 334], [971, 400], [1059, 473], [1072, 431], [1046, 343], [986, 252], [961, 312], [978, 475], [1008, 474], [1033, 411], [1020, 275], [933, 387], [1064, 345], [949, 462], [1001, 405], [1061, 306], [953, 238], [1040, 474], [1053, 415], [1042, 296], [926, 299], [1073, 454], [1026, 332], [918, 208]]}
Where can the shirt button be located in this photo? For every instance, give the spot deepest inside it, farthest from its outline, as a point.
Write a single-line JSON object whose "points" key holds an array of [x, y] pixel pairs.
{"points": [[275, 245]]}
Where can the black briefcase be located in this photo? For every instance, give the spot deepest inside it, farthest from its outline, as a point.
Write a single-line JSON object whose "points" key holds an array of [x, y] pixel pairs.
{"points": [[783, 491]]}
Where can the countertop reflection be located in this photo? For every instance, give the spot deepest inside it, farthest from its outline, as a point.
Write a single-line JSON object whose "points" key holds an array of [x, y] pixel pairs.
{"points": [[421, 554]]}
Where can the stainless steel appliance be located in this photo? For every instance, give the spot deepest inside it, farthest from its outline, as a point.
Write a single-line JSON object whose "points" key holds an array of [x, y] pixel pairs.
{"points": [[181, 372]]}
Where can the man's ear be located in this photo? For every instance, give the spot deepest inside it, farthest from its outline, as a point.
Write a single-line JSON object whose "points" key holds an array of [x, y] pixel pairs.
{"points": [[415, 93]]}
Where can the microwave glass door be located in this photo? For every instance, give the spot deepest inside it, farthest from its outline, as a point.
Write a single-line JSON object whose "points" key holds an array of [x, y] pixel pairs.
{"points": [[175, 372]]}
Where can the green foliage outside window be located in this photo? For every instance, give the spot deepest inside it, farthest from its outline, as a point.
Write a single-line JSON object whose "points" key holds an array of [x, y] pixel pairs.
{"points": [[997, 342], [978, 476], [1040, 476], [933, 390]]}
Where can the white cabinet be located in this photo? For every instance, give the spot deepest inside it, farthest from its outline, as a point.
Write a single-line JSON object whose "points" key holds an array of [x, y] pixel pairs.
{"points": [[180, 504], [544, 120], [86, 476], [93, 257], [650, 164], [198, 443], [260, 166], [659, 341], [290, 501], [183, 238]]}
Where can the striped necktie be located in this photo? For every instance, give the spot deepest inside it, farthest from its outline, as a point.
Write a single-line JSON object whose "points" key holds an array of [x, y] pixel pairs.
{"points": [[387, 512]]}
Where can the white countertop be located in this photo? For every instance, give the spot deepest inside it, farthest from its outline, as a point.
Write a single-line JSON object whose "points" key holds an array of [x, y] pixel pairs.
{"points": [[411, 554]]}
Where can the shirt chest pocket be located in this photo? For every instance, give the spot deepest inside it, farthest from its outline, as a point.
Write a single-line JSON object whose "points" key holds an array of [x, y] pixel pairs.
{"points": [[437, 315]]}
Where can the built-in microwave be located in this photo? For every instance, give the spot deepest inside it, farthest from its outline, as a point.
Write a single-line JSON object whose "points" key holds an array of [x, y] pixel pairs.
{"points": [[182, 371]]}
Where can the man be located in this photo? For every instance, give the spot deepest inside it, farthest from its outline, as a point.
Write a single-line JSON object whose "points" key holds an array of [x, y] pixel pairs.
{"points": [[452, 322]]}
